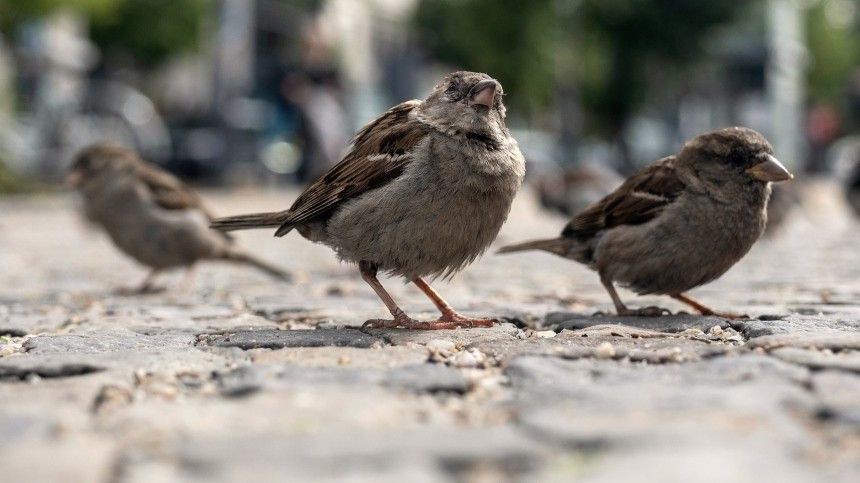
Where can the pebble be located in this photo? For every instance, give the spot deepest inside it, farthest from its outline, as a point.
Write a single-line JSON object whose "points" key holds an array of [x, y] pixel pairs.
{"points": [[605, 351]]}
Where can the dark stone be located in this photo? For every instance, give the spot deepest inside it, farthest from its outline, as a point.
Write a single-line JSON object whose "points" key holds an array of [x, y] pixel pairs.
{"points": [[279, 339], [22, 372], [559, 321]]}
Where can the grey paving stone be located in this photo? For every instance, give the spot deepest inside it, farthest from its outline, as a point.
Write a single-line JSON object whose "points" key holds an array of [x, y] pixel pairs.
{"points": [[279, 339], [755, 381], [610, 342], [785, 324], [19, 325], [462, 336], [816, 340], [839, 394], [668, 323], [816, 359], [431, 455], [109, 341], [425, 378], [418, 378]]}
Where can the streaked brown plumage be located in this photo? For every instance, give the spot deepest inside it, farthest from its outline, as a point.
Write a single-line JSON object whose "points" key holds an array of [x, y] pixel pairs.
{"points": [[678, 223], [149, 214], [422, 192]]}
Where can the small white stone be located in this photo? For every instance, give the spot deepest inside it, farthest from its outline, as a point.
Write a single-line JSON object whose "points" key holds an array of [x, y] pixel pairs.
{"points": [[441, 346], [545, 334], [464, 359], [604, 351]]}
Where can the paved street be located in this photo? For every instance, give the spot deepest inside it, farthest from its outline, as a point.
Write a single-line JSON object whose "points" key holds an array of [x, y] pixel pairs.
{"points": [[231, 376]]}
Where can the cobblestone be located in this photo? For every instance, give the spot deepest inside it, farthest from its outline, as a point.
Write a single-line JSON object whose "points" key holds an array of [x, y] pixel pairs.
{"points": [[236, 377]]}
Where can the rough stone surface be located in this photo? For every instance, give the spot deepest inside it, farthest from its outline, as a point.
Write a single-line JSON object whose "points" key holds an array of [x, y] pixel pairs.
{"points": [[667, 323], [241, 378], [279, 339]]}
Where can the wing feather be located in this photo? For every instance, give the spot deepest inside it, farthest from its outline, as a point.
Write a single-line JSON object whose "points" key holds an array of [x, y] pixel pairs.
{"points": [[641, 198], [380, 152]]}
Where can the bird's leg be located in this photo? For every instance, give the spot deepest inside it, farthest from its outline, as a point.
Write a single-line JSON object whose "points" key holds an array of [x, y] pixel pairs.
{"points": [[622, 309], [704, 310], [450, 318], [145, 287], [188, 278], [368, 273]]}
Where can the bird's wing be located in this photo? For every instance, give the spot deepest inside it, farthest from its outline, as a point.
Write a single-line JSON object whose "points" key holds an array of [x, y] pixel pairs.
{"points": [[641, 198], [380, 152], [168, 191]]}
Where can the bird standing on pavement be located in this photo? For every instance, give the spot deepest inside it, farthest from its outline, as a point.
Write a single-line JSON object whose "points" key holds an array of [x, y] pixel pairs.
{"points": [[678, 223], [149, 214], [422, 192]]}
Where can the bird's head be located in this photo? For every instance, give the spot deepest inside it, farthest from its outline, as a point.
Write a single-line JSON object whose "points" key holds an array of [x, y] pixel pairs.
{"points": [[734, 153], [466, 102], [98, 161]]}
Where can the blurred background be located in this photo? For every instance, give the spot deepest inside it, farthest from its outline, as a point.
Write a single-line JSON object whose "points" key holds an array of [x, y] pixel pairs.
{"points": [[269, 91]]}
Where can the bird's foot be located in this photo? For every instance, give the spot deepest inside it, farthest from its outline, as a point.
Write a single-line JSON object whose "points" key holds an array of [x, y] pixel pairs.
{"points": [[447, 321], [454, 320], [142, 290], [651, 311], [725, 315]]}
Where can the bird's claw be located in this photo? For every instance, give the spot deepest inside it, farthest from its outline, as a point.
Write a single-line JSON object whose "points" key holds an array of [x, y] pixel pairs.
{"points": [[144, 290], [651, 311], [447, 321]]}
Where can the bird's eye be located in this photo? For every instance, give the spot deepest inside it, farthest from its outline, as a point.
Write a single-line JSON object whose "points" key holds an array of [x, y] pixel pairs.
{"points": [[451, 88]]}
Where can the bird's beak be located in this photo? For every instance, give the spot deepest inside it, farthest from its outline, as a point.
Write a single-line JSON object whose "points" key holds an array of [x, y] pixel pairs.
{"points": [[769, 170], [484, 93], [73, 179]]}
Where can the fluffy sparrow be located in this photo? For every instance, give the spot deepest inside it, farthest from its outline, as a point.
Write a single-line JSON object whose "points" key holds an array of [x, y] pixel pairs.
{"points": [[149, 214], [678, 223], [422, 192], [852, 186]]}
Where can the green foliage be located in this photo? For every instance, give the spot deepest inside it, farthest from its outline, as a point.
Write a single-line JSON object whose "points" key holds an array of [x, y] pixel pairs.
{"points": [[147, 30], [509, 39], [834, 53], [620, 39], [151, 30], [10, 183], [603, 48]]}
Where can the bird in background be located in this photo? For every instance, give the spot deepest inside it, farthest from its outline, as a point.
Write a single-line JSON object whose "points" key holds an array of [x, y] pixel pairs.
{"points": [[422, 192], [151, 215], [678, 223]]}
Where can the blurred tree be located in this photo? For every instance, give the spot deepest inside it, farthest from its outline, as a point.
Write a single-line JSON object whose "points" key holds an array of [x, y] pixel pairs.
{"points": [[149, 31], [601, 49], [15, 12], [510, 39], [834, 44], [619, 40]]}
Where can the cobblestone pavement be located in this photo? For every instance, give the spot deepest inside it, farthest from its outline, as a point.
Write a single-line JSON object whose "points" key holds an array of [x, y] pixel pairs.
{"points": [[233, 376]]}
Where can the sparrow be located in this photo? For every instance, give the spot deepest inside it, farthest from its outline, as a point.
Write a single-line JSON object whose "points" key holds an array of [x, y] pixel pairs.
{"points": [[852, 186], [422, 191], [678, 223], [149, 214]]}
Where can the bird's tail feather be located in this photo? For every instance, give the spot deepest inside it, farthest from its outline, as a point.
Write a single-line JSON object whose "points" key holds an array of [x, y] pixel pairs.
{"points": [[558, 246], [248, 222], [239, 256]]}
